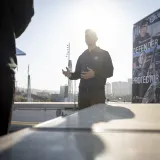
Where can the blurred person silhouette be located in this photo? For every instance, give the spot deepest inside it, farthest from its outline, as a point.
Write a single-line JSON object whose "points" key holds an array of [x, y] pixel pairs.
{"points": [[15, 15], [93, 67]]}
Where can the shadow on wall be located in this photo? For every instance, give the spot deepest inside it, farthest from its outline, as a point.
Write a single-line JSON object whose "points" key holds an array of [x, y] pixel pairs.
{"points": [[90, 145], [78, 127], [105, 113], [98, 113]]}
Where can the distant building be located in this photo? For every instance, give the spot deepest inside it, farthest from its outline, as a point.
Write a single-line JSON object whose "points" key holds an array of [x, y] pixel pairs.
{"points": [[129, 86], [120, 88], [43, 94], [63, 91], [55, 98], [108, 89]]}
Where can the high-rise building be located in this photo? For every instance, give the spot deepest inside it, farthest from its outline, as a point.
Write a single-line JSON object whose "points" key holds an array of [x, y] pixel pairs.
{"points": [[120, 88], [130, 86], [108, 88], [63, 91]]}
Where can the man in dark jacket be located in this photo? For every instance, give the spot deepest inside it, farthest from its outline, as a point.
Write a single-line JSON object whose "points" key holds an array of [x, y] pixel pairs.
{"points": [[93, 67], [15, 16]]}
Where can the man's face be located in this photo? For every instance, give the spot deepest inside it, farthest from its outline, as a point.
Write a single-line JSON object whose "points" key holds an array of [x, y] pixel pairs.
{"points": [[143, 29], [90, 38], [142, 59]]}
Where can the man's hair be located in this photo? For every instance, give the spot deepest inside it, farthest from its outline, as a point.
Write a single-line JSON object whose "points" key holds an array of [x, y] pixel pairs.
{"points": [[90, 31], [143, 23]]}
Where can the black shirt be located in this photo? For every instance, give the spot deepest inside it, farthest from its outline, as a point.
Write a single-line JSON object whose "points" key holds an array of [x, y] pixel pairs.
{"points": [[7, 40], [100, 61]]}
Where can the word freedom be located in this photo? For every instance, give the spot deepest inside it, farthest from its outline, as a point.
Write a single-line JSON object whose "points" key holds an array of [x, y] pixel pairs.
{"points": [[145, 79], [146, 46]]}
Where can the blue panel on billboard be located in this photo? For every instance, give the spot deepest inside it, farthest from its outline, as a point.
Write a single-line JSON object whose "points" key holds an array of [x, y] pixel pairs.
{"points": [[19, 52]]}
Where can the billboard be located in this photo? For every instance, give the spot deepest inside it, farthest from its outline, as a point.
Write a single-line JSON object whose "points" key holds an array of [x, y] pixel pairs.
{"points": [[146, 60]]}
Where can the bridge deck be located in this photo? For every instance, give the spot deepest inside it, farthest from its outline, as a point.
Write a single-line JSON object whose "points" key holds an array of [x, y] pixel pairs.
{"points": [[123, 132]]}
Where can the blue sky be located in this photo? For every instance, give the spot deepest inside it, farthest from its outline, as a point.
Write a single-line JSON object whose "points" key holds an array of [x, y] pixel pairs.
{"points": [[58, 22]]}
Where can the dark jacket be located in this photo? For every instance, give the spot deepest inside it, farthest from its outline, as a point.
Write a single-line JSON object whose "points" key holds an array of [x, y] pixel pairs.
{"points": [[15, 16], [100, 61]]}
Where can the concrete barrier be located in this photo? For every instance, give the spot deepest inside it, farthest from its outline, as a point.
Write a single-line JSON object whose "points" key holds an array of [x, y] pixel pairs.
{"points": [[44, 105]]}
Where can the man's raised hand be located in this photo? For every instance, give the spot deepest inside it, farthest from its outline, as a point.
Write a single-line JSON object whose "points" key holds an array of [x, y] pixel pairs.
{"points": [[88, 75], [67, 73]]}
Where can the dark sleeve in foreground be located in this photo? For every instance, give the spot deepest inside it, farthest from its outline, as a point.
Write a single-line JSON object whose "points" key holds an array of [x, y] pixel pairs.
{"points": [[22, 12], [107, 70], [77, 74]]}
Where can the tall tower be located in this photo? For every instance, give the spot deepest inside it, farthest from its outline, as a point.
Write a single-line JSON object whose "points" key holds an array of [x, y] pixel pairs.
{"points": [[70, 88], [29, 87]]}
